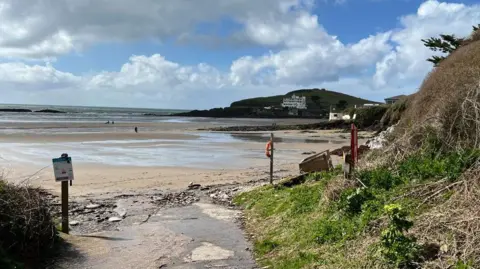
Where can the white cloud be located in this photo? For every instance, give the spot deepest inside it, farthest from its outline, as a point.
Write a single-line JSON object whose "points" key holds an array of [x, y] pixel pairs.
{"points": [[303, 53], [406, 63], [47, 28]]}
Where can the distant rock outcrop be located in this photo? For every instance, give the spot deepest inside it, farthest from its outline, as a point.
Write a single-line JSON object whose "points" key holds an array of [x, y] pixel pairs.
{"points": [[50, 111], [14, 110]]}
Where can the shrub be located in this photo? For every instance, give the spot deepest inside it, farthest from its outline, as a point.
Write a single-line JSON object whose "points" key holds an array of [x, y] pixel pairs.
{"points": [[368, 117], [394, 112], [395, 247], [380, 178], [27, 231], [352, 200]]}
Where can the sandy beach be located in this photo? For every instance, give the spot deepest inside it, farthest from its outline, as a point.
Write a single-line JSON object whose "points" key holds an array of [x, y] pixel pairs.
{"points": [[163, 155]]}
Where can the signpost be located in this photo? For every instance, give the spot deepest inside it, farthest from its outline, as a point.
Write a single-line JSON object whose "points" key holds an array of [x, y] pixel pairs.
{"points": [[63, 171]]}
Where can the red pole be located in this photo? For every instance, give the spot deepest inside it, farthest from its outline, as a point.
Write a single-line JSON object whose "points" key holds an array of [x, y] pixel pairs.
{"points": [[354, 144]]}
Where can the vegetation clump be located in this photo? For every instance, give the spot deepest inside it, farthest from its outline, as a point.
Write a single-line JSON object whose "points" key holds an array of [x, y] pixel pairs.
{"points": [[27, 232], [412, 204]]}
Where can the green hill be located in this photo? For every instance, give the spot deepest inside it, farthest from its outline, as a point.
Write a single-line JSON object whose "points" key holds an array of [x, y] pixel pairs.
{"points": [[319, 102], [316, 99]]}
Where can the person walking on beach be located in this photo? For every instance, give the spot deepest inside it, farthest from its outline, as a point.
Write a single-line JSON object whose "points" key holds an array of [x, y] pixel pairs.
{"points": [[136, 129]]}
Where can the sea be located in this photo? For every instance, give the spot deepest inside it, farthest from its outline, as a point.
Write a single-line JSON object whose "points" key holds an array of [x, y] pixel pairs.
{"points": [[83, 114], [206, 150]]}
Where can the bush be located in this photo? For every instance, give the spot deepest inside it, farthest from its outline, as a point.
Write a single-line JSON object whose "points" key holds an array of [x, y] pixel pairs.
{"points": [[27, 231], [394, 112], [395, 247], [352, 200], [370, 117]]}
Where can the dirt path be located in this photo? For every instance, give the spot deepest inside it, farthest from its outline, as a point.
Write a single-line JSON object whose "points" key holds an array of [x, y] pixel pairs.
{"points": [[188, 229]]}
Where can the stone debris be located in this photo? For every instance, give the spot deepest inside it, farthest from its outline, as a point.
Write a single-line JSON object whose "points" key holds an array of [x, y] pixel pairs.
{"points": [[114, 219], [223, 195], [122, 212], [193, 186], [93, 206], [183, 198], [380, 140]]}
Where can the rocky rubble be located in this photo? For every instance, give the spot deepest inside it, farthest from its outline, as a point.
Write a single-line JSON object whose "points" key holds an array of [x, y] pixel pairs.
{"points": [[380, 140], [183, 198], [93, 215]]}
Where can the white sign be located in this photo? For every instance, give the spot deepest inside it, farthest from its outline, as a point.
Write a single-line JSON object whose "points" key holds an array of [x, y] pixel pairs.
{"points": [[63, 169]]}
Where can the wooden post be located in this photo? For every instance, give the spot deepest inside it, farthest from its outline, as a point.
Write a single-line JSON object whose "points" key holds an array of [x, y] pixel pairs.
{"points": [[271, 160], [65, 207]]}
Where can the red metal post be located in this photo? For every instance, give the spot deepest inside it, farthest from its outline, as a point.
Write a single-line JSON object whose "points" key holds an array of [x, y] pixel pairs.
{"points": [[354, 143]]}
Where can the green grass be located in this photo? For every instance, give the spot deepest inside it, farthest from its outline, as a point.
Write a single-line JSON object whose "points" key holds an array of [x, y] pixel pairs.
{"points": [[297, 228]]}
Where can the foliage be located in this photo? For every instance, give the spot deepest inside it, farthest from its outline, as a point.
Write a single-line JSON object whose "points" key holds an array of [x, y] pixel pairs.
{"points": [[394, 112], [369, 116], [445, 44], [396, 247], [265, 246], [463, 265], [295, 228], [342, 104], [353, 199], [27, 231]]}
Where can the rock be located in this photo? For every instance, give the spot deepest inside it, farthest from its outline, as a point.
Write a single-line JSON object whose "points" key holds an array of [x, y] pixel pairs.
{"points": [[308, 152], [49, 111], [14, 110], [122, 212], [380, 140], [114, 219], [92, 206], [74, 223], [193, 186]]}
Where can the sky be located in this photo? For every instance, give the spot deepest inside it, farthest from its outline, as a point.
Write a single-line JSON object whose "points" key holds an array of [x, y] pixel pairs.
{"points": [[198, 54]]}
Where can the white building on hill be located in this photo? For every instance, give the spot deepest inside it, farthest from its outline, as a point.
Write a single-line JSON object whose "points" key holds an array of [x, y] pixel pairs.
{"points": [[298, 102]]}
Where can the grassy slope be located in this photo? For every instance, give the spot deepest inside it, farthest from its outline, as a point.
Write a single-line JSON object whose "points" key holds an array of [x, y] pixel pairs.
{"points": [[327, 98], [328, 222]]}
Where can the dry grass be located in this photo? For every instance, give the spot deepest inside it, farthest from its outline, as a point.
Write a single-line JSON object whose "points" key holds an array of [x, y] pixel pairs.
{"points": [[446, 110], [334, 188], [449, 100], [27, 231], [454, 224]]}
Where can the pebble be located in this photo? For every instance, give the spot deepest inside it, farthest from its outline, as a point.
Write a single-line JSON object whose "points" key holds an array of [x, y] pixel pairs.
{"points": [[74, 223], [114, 219], [122, 212], [93, 206]]}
